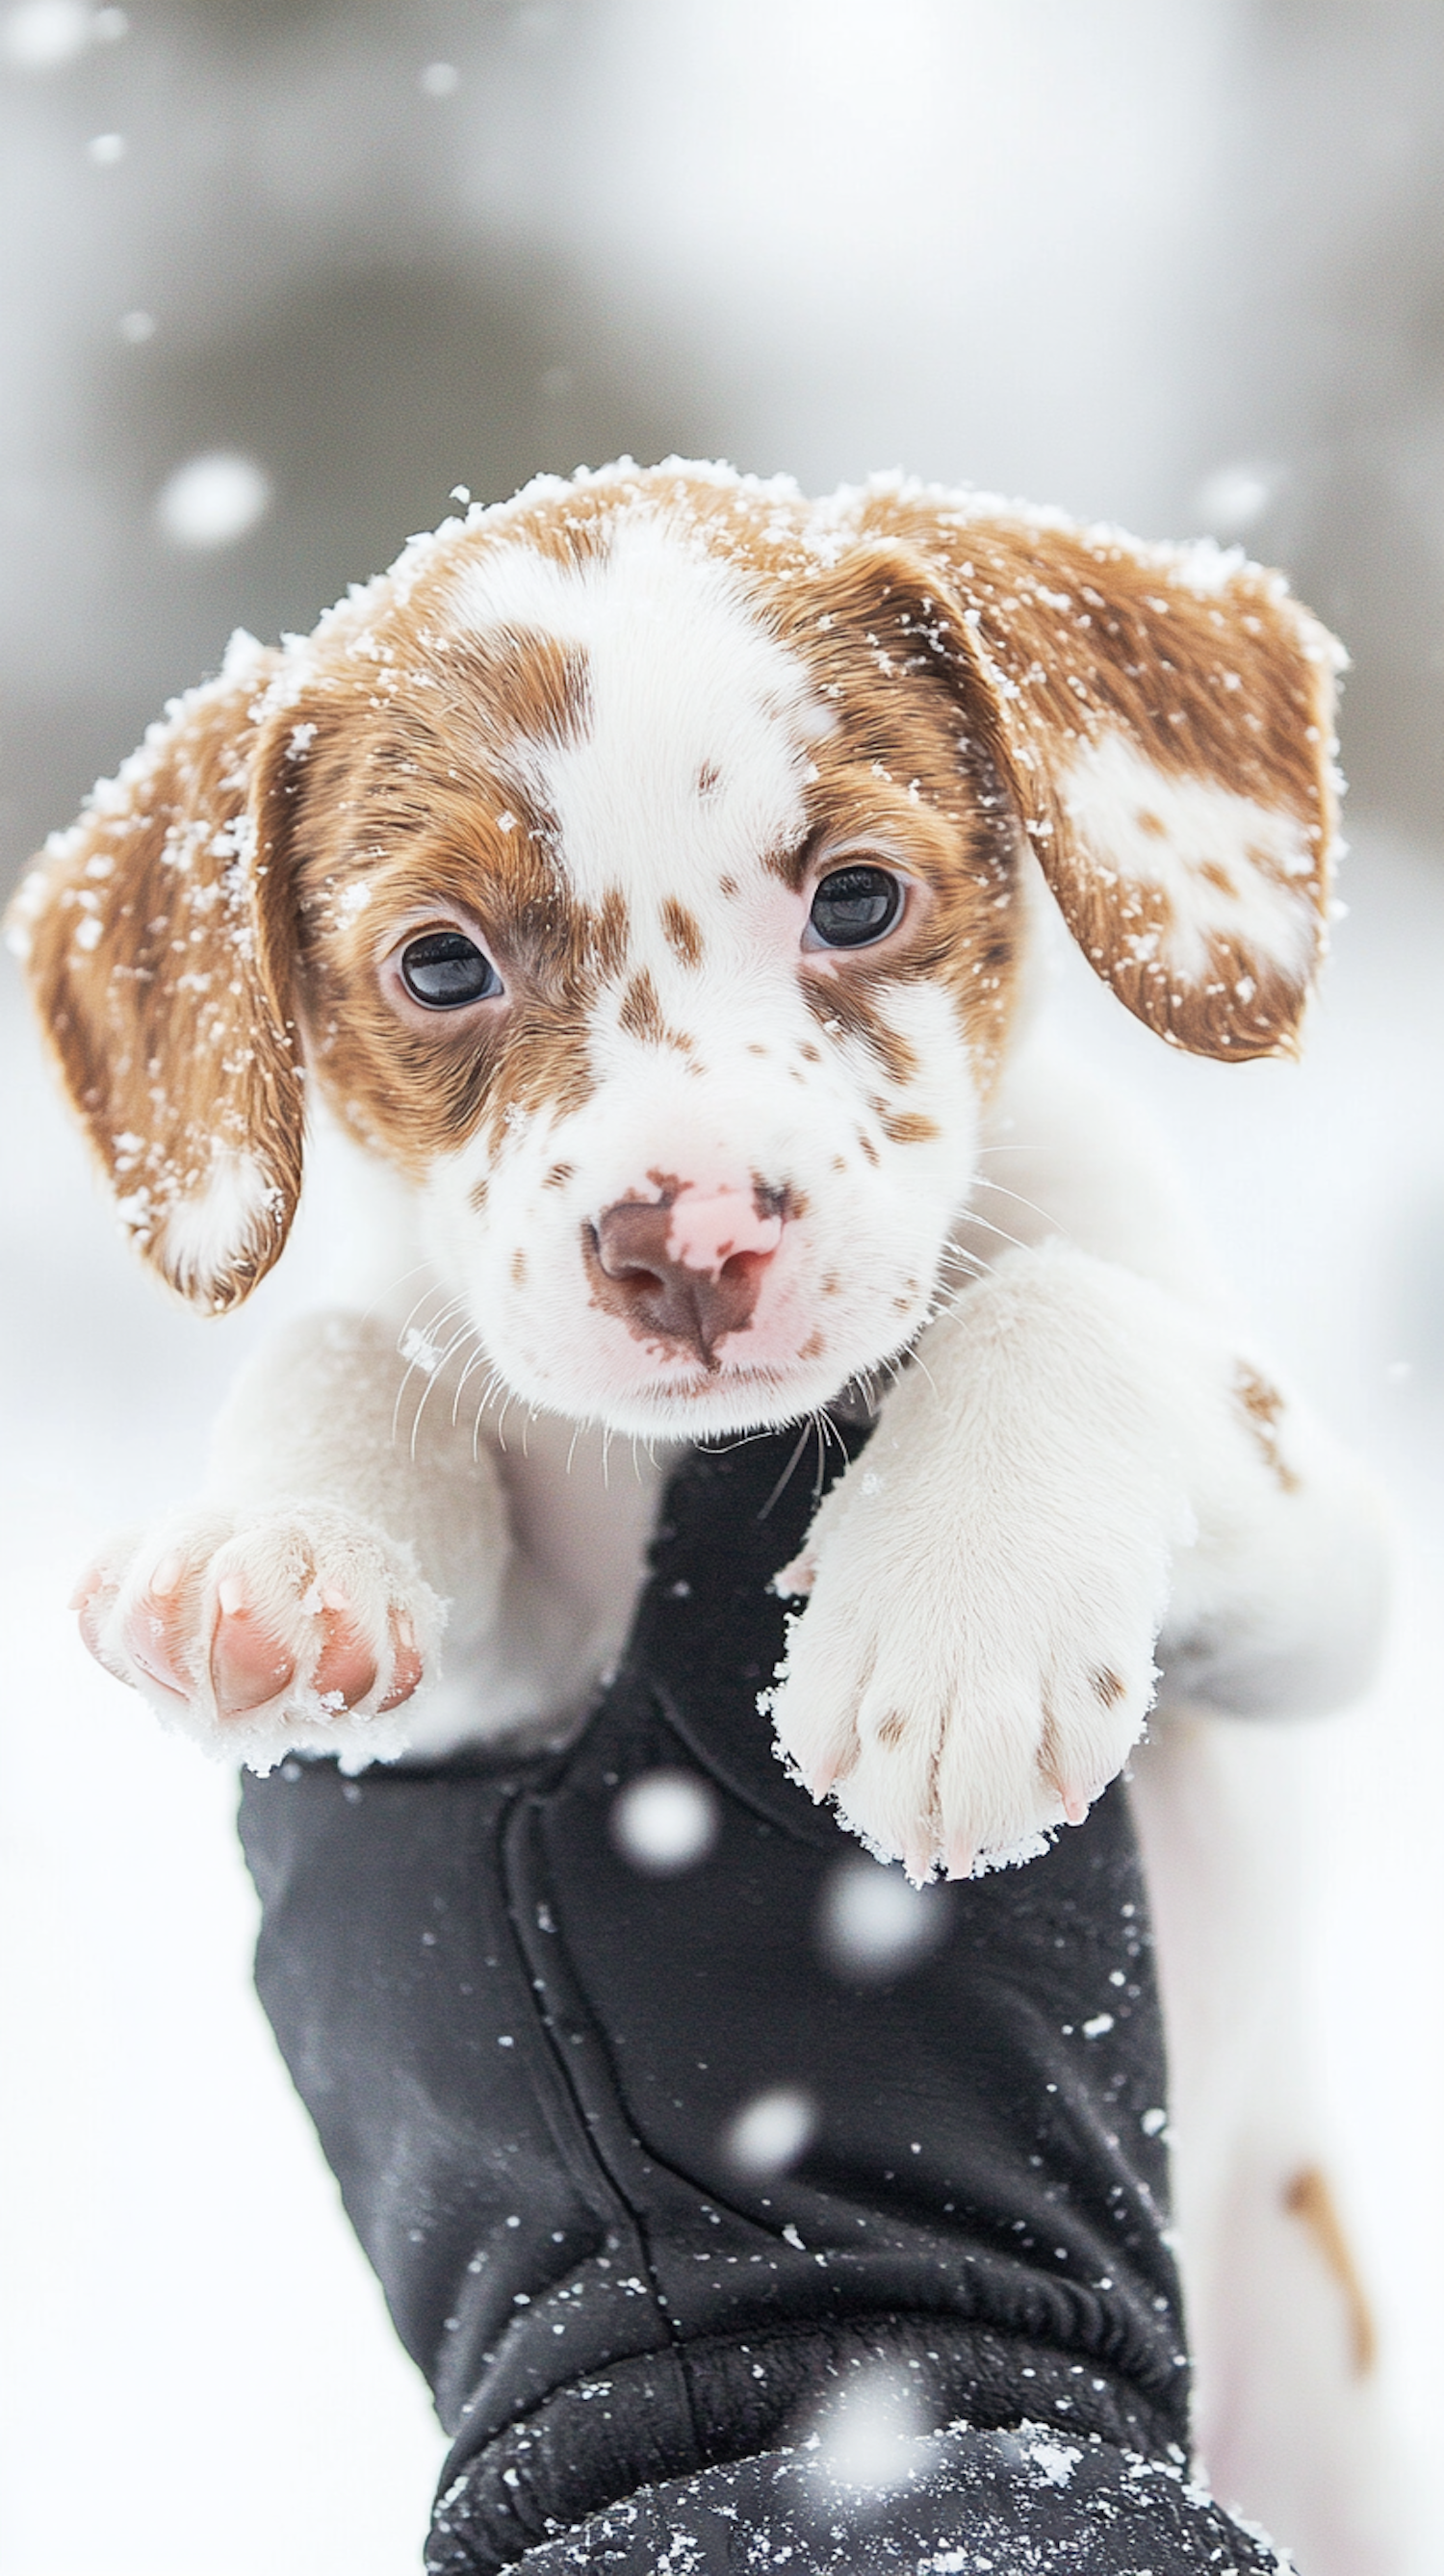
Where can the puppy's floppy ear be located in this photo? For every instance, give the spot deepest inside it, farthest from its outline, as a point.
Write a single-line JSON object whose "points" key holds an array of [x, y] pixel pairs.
{"points": [[157, 936], [1164, 718]]}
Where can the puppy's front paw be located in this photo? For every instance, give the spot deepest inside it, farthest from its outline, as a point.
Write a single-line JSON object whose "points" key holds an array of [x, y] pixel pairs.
{"points": [[261, 1633], [970, 1671]]}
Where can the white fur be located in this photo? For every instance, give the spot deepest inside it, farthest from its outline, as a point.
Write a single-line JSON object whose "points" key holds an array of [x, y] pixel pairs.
{"points": [[684, 680], [1156, 829], [206, 1235], [1062, 1484]]}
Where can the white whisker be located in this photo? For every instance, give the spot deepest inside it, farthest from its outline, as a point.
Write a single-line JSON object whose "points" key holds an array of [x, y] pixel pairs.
{"points": [[998, 1187], [478, 1360], [456, 1343], [970, 1216]]}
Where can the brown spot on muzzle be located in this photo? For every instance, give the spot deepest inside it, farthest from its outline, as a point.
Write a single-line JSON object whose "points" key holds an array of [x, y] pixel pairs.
{"points": [[683, 931], [633, 1275]]}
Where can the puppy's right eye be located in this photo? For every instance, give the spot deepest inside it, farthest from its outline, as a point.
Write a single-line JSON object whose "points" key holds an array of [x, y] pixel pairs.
{"points": [[446, 970]]}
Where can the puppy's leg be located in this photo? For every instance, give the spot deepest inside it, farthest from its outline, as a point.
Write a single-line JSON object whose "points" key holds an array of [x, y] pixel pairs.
{"points": [[1290, 2409], [1084, 1460], [302, 1602]]}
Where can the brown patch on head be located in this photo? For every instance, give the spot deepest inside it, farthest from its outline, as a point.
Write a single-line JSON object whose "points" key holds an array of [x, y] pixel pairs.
{"points": [[533, 687], [641, 1012], [709, 778], [610, 933], [1107, 1688], [1263, 1407], [683, 932], [518, 1266], [559, 1175], [902, 782], [478, 1194], [1307, 2196], [642, 1017], [266, 858], [813, 1347], [412, 788], [892, 1730]]}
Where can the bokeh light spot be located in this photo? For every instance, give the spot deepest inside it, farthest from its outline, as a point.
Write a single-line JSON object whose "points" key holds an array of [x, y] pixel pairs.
{"points": [[213, 500], [665, 1822], [42, 35], [871, 1924], [1234, 498], [771, 2132], [872, 2435]]}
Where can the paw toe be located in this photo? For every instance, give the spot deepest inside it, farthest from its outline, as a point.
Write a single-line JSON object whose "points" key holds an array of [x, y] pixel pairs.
{"points": [[406, 1665], [346, 1667], [249, 1663]]}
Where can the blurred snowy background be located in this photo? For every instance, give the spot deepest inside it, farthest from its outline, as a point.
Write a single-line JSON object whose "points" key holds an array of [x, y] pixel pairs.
{"points": [[275, 275]]}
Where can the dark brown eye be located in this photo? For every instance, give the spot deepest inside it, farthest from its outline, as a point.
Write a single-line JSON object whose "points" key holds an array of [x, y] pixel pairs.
{"points": [[446, 970], [854, 906]]}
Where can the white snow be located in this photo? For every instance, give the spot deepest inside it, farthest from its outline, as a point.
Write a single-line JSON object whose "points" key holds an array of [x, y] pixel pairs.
{"points": [[1233, 498], [214, 499], [872, 2436], [163, 2191], [771, 2132], [42, 34], [872, 1924], [665, 1822]]}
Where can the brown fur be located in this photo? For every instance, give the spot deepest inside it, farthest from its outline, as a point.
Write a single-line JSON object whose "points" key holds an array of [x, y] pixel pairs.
{"points": [[683, 932], [1263, 1405], [382, 787], [1309, 2198], [172, 1023]]}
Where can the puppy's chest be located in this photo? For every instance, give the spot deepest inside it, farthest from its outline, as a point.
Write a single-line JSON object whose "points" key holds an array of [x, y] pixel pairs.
{"points": [[583, 1507], [585, 1510]]}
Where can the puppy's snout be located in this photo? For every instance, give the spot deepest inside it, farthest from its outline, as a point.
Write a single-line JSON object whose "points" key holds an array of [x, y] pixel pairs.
{"points": [[685, 1269]]}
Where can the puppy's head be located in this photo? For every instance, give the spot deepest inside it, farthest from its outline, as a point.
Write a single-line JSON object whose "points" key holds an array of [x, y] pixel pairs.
{"points": [[637, 867]]}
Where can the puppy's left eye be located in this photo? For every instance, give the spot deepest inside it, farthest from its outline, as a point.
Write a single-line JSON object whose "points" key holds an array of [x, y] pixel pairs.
{"points": [[446, 970], [854, 906]]}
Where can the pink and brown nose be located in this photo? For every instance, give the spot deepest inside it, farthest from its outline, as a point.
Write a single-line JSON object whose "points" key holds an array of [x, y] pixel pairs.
{"points": [[685, 1268]]}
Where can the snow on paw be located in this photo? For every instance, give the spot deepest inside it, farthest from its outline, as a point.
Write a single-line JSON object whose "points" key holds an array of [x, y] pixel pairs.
{"points": [[966, 1679], [261, 1634]]}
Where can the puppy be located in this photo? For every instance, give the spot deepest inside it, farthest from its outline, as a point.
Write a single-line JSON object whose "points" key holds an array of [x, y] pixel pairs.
{"points": [[640, 882]]}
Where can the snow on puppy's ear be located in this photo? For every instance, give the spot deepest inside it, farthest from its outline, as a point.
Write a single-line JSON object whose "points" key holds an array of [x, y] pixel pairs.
{"points": [[1164, 717], [157, 939]]}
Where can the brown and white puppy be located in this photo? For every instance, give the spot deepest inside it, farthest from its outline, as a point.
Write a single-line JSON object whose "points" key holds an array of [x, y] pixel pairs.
{"points": [[644, 875]]}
